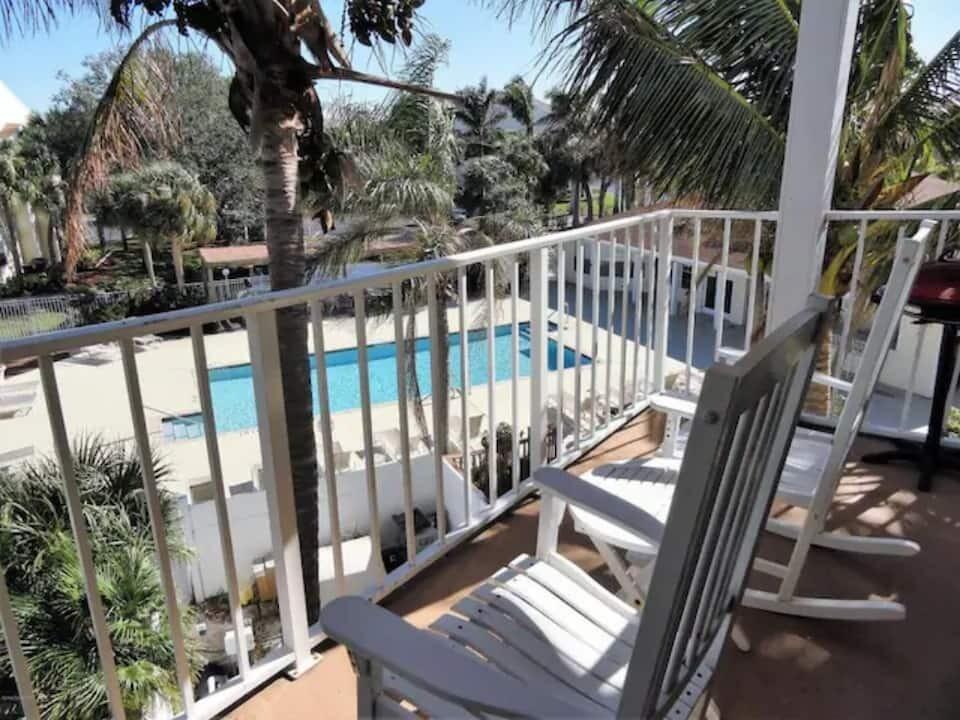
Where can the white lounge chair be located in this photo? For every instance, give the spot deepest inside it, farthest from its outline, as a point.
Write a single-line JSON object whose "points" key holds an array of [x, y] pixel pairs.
{"points": [[809, 479], [17, 398], [102, 354], [542, 639]]}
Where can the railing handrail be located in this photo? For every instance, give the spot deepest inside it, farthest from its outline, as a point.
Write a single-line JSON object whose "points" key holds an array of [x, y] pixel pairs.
{"points": [[76, 338], [918, 215]]}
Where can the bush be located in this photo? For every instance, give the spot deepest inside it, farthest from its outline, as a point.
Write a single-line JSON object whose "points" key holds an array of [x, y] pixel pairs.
{"points": [[47, 590]]}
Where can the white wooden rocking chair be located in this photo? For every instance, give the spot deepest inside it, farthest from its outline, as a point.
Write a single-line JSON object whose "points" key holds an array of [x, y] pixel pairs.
{"points": [[542, 639], [809, 480]]}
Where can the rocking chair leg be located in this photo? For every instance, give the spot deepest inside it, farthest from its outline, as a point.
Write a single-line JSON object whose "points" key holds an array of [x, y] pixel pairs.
{"points": [[739, 637], [619, 569]]}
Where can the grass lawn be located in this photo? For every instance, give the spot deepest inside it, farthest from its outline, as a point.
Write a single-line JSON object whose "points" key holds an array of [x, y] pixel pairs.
{"points": [[45, 321], [563, 208]]}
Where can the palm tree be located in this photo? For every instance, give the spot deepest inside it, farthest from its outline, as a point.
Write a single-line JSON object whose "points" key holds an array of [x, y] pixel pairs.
{"points": [[276, 63], [517, 97], [479, 116], [164, 205], [46, 585], [404, 157]]}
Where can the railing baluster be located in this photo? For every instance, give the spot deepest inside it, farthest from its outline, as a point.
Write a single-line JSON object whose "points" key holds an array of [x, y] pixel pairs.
{"points": [[278, 481], [720, 296], [692, 303], [754, 275], [464, 389], [491, 281], [220, 496], [651, 293], [577, 379], [21, 670], [539, 286], [664, 249], [561, 342], [611, 310], [637, 308], [852, 292], [624, 323], [410, 530], [436, 380], [370, 462], [515, 368], [595, 317], [101, 630], [157, 521], [326, 441]]}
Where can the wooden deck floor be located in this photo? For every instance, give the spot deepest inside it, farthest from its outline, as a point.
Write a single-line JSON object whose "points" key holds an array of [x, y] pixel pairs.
{"points": [[798, 669]]}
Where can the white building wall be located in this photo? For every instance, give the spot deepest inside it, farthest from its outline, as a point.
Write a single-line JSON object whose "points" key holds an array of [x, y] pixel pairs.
{"points": [[738, 278], [204, 575], [899, 364]]}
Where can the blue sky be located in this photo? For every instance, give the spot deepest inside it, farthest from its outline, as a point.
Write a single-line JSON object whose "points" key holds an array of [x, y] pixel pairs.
{"points": [[481, 45]]}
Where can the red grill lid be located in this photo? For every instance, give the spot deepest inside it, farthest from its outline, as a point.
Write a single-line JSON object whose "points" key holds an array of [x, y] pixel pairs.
{"points": [[936, 290]]}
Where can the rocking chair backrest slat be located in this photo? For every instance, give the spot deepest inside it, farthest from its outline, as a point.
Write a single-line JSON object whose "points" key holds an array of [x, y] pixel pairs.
{"points": [[738, 444], [886, 321]]}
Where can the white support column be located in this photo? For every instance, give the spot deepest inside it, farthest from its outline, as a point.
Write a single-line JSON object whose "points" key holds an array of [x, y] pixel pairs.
{"points": [[539, 284], [278, 482], [662, 301], [822, 69]]}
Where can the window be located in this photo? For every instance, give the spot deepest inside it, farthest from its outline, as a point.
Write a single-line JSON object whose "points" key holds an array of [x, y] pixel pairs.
{"points": [[710, 301], [685, 278]]}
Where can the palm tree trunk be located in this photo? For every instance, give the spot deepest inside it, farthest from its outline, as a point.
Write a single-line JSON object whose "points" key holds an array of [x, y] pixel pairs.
{"points": [[588, 196], [102, 236], [148, 261], [279, 162], [414, 393], [575, 202], [53, 241], [602, 197], [11, 222], [177, 251]]}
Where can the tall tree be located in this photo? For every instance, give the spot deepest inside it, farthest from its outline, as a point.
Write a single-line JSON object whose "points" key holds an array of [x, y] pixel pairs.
{"points": [[478, 117], [278, 49], [517, 97]]}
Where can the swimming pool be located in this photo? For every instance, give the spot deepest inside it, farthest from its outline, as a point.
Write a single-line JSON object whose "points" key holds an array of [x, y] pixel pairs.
{"points": [[232, 387]]}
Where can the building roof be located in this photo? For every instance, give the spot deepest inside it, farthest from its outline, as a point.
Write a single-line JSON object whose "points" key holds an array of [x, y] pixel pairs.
{"points": [[13, 112], [235, 255]]}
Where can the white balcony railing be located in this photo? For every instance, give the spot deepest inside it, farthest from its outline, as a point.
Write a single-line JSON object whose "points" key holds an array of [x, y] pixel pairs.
{"points": [[626, 326]]}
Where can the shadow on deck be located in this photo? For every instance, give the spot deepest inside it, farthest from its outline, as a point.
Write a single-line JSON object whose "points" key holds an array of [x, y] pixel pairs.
{"points": [[798, 668]]}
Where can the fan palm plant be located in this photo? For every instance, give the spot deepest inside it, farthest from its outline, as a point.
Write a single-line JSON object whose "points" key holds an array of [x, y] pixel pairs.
{"points": [[276, 62], [47, 591], [479, 116]]}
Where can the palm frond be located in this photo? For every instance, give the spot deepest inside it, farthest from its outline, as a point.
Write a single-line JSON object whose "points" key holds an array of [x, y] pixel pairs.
{"points": [[133, 115], [927, 108], [751, 45], [667, 113], [20, 17]]}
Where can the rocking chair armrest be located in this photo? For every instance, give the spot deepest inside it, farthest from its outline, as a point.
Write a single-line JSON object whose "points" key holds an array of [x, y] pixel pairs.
{"points": [[425, 660], [673, 405], [589, 496]]}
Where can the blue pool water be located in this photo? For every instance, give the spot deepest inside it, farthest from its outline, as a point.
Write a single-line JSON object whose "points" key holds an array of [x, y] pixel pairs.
{"points": [[232, 387]]}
